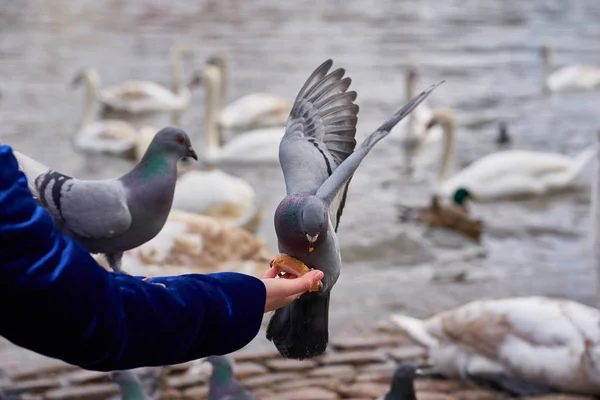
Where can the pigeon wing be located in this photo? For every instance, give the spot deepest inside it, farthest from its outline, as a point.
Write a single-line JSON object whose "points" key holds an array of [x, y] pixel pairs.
{"points": [[320, 132], [90, 209], [329, 190]]}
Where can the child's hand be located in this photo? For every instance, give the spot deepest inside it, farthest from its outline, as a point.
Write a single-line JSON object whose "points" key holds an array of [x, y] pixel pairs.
{"points": [[283, 290]]}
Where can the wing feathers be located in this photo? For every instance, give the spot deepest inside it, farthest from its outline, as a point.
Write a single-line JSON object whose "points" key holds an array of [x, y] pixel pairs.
{"points": [[314, 78], [331, 187]]}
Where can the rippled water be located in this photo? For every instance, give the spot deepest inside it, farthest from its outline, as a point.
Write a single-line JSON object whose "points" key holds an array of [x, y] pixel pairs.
{"points": [[488, 52]]}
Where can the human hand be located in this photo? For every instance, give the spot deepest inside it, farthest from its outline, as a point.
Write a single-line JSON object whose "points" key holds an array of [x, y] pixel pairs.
{"points": [[285, 289]]}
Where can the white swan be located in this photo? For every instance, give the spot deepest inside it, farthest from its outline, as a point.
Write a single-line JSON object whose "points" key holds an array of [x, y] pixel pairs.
{"points": [[526, 345], [141, 97], [419, 144], [259, 146], [110, 136], [252, 111], [509, 173], [570, 78]]}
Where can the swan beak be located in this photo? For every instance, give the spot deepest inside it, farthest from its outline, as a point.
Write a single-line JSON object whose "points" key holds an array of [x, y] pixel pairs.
{"points": [[192, 153]]}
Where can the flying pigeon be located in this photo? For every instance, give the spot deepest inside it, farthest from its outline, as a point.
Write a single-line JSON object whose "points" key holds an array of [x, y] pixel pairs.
{"points": [[113, 215], [403, 387], [130, 385], [318, 158], [223, 385]]}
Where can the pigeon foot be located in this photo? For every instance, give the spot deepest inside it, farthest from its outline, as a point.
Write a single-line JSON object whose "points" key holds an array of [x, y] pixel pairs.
{"points": [[293, 266]]}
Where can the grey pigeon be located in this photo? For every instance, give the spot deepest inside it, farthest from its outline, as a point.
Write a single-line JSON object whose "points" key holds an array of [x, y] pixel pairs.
{"points": [[113, 215], [403, 387], [130, 385], [223, 385], [318, 158]]}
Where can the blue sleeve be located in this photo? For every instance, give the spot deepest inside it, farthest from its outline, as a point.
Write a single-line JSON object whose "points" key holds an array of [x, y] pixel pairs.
{"points": [[57, 301]]}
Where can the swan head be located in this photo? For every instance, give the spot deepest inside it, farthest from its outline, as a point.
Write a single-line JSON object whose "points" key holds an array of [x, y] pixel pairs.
{"points": [[208, 75], [461, 195], [88, 75], [219, 59], [412, 77], [547, 53], [443, 117], [181, 52]]}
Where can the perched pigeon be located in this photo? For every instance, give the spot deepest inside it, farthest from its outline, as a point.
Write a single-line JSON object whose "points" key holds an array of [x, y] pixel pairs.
{"points": [[130, 385], [318, 158], [403, 387], [113, 215], [223, 385]]}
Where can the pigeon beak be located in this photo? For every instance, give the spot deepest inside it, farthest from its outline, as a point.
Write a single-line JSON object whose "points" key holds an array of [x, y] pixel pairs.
{"points": [[192, 153], [311, 241], [419, 372]]}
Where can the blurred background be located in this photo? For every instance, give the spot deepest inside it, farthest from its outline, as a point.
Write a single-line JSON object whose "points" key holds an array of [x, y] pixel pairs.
{"points": [[489, 53]]}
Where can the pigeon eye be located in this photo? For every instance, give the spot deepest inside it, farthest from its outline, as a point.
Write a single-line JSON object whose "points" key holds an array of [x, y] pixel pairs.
{"points": [[180, 139]]}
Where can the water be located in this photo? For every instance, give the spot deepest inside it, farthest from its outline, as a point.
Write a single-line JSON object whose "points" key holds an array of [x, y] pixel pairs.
{"points": [[488, 53]]}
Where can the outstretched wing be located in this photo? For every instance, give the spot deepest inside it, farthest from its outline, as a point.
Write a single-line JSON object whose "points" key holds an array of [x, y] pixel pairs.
{"points": [[90, 209], [320, 131], [330, 189]]}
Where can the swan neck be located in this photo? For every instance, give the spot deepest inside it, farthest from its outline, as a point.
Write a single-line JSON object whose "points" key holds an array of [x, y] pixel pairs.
{"points": [[211, 128], [447, 161], [224, 81], [596, 221], [92, 88], [177, 71]]}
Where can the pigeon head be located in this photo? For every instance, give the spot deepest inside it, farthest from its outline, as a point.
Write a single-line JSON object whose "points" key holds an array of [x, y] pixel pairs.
{"points": [[173, 141], [301, 223], [402, 382], [461, 195], [222, 371]]}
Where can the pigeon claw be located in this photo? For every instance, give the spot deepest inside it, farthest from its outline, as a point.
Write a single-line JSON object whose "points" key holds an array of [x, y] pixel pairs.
{"points": [[293, 266]]}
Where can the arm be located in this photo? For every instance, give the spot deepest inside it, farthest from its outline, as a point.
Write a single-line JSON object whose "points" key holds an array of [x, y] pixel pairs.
{"points": [[56, 300]]}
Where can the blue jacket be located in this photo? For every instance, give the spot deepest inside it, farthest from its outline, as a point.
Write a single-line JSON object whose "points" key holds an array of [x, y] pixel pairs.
{"points": [[57, 301]]}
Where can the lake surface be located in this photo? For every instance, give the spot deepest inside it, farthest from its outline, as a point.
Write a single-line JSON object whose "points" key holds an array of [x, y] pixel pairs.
{"points": [[488, 53]]}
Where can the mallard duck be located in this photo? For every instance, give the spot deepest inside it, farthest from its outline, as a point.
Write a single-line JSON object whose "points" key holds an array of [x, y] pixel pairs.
{"points": [[454, 216], [508, 173], [259, 146], [251, 111], [570, 78], [106, 136], [142, 97]]}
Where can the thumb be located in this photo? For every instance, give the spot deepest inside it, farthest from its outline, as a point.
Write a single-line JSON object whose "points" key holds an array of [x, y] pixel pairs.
{"points": [[302, 284]]}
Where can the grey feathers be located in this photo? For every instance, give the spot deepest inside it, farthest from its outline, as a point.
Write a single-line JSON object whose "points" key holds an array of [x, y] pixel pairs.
{"points": [[330, 188], [90, 209], [320, 130], [113, 215]]}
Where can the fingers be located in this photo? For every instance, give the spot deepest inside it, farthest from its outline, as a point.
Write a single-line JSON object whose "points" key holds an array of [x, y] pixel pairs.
{"points": [[271, 273], [297, 286]]}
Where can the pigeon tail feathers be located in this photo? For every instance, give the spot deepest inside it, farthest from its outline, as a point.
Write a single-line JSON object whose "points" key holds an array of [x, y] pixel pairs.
{"points": [[300, 329]]}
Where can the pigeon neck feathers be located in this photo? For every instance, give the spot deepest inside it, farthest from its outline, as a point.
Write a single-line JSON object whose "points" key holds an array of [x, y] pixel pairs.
{"points": [[289, 227]]}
